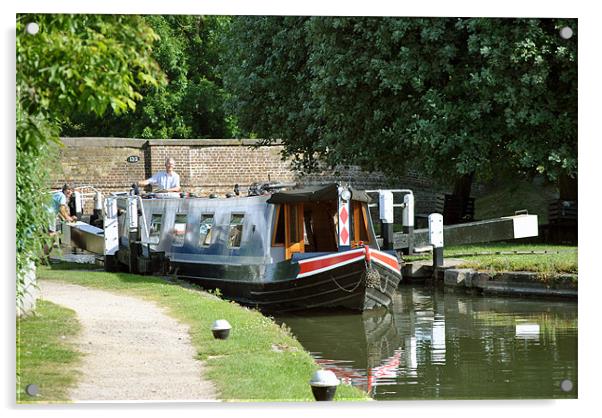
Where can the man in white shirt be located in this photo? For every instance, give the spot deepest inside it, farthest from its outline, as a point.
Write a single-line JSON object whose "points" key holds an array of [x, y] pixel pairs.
{"points": [[166, 181]]}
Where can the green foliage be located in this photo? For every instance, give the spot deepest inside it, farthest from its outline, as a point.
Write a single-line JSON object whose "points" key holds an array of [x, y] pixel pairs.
{"points": [[83, 62], [190, 105], [46, 356], [446, 95], [34, 134], [88, 63], [266, 70]]}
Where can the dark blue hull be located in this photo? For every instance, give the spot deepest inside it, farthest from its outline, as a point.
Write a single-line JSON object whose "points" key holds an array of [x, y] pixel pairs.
{"points": [[352, 286]]}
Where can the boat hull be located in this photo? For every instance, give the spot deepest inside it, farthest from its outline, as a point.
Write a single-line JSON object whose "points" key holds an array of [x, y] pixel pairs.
{"points": [[357, 286]]}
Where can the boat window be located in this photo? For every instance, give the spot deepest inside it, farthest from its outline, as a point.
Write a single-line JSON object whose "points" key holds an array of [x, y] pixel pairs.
{"points": [[235, 236], [295, 233], [155, 228], [279, 231], [307, 228], [205, 229], [294, 238], [179, 230]]}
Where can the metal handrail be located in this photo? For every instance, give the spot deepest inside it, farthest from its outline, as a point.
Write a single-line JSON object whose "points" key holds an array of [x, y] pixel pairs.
{"points": [[395, 205], [143, 216]]}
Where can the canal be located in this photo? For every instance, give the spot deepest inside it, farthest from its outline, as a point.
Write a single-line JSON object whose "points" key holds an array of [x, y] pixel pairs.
{"points": [[436, 345]]}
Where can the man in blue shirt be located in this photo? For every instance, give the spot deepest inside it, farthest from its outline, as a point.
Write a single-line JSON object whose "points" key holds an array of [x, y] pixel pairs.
{"points": [[60, 208], [166, 181]]}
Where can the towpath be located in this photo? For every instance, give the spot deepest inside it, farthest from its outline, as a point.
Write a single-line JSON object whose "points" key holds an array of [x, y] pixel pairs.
{"points": [[132, 349]]}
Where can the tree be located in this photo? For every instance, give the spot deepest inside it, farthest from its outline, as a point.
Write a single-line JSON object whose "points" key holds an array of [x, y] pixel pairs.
{"points": [[450, 96], [88, 63], [267, 73], [190, 105]]}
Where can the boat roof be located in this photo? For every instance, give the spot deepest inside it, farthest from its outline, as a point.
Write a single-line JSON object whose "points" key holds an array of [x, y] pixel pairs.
{"points": [[316, 193]]}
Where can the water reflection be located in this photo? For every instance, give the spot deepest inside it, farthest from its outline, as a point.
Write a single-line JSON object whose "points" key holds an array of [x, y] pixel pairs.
{"points": [[361, 349], [435, 345]]}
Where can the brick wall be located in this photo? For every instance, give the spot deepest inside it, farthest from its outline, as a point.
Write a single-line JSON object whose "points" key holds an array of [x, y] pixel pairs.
{"points": [[100, 162], [215, 166], [209, 166]]}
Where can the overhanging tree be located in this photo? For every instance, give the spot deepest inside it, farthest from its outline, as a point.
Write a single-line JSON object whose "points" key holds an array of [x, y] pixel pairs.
{"points": [[88, 63], [450, 96]]}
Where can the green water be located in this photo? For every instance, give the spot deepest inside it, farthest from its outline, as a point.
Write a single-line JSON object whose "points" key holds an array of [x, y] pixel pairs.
{"points": [[435, 345]]}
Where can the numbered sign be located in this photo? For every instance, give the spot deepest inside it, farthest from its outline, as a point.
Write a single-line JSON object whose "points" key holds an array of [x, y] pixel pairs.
{"points": [[133, 159]]}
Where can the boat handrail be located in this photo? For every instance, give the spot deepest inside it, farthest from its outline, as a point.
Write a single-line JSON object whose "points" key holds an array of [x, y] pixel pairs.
{"points": [[395, 205], [143, 215]]}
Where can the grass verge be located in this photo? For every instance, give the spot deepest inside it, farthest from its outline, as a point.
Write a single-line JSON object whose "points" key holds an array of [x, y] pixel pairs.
{"points": [[45, 357], [547, 260], [245, 367]]}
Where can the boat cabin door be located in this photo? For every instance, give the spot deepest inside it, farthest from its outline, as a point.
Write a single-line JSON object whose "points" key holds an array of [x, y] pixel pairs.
{"points": [[294, 241]]}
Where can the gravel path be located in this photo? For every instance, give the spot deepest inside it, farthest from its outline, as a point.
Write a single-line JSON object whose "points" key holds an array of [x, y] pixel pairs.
{"points": [[133, 350]]}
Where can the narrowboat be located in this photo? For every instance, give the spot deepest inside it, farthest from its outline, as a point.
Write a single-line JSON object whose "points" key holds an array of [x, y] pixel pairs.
{"points": [[277, 249]]}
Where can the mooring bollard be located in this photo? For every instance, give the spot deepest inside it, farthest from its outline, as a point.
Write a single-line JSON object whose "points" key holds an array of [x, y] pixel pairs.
{"points": [[385, 206], [221, 329], [324, 385], [436, 238]]}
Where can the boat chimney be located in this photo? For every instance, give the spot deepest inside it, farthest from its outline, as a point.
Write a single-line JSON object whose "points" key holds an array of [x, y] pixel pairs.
{"points": [[98, 201]]}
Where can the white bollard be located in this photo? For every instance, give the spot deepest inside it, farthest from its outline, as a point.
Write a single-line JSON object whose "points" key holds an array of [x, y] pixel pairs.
{"points": [[436, 238]]}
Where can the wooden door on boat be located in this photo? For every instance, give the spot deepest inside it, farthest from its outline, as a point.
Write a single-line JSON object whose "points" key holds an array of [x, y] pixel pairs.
{"points": [[293, 232], [360, 234]]}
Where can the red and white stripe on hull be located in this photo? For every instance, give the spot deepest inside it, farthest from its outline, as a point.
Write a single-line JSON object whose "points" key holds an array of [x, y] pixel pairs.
{"points": [[323, 263], [317, 265], [385, 260]]}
